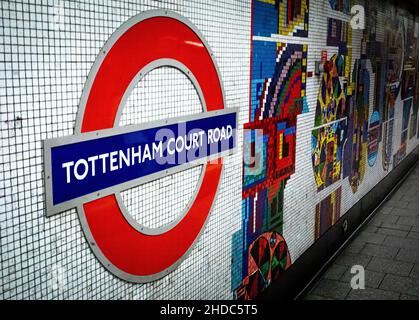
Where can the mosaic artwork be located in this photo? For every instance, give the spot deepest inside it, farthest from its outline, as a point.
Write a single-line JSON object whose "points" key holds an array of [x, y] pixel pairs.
{"points": [[337, 31], [388, 127], [269, 147], [408, 83], [327, 213], [332, 154], [402, 152], [415, 130], [402, 64], [348, 148], [348, 130], [354, 116], [371, 21], [376, 55], [278, 96], [331, 97], [327, 144], [374, 132], [358, 124], [284, 17], [329, 134], [410, 56], [293, 17], [414, 118], [268, 259], [395, 46], [413, 122], [331, 120], [395, 43]]}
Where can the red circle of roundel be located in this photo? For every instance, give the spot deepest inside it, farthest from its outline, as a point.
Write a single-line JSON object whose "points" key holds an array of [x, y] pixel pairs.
{"points": [[124, 250]]}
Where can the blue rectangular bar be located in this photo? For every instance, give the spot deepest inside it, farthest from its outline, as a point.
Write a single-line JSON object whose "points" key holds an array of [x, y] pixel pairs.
{"points": [[82, 168]]}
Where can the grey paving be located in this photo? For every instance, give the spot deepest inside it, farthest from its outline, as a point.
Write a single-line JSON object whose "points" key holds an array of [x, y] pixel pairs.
{"points": [[379, 251], [355, 247], [331, 289], [408, 255], [314, 297], [373, 294], [413, 235], [408, 212], [373, 279], [415, 272], [352, 259], [370, 237], [392, 232], [381, 219], [388, 249], [405, 285], [408, 221], [396, 226], [390, 266], [397, 242], [335, 272], [397, 203]]}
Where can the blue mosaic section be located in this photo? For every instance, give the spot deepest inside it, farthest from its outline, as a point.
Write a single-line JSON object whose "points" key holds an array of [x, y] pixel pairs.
{"points": [[265, 19], [257, 172]]}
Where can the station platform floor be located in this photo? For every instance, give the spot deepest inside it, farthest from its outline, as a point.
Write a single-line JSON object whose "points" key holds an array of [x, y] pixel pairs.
{"points": [[388, 249]]}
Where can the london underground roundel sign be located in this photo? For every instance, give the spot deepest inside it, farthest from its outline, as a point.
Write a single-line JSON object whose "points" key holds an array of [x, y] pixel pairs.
{"points": [[88, 170]]}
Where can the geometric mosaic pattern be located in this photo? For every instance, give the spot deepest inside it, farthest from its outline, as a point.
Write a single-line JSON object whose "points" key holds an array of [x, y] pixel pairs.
{"points": [[327, 213], [278, 96]]}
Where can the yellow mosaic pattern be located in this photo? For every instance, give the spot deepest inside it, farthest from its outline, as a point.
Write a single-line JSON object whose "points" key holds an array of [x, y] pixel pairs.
{"points": [[288, 29]]}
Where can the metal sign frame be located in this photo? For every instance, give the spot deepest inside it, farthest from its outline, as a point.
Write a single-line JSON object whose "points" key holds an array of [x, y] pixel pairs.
{"points": [[123, 246]]}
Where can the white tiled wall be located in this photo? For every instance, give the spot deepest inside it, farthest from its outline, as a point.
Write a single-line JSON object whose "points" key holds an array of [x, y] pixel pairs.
{"points": [[46, 51]]}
